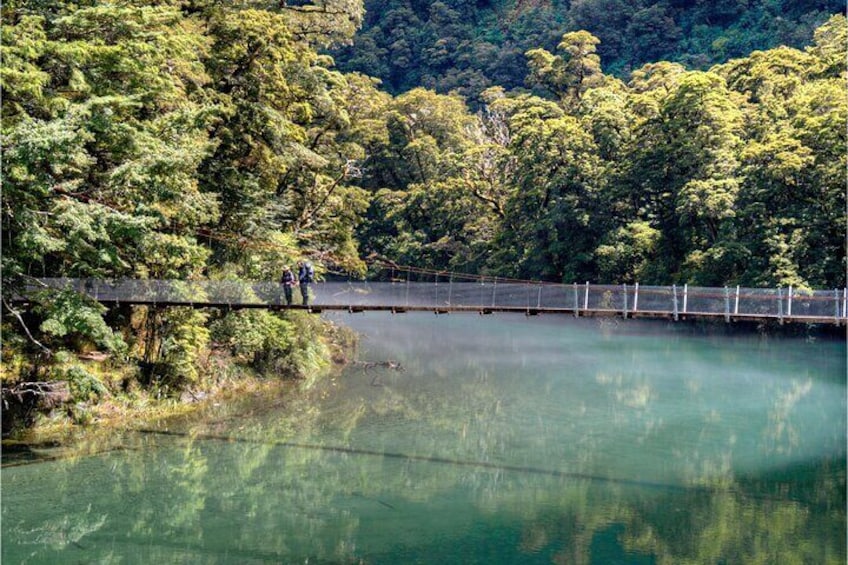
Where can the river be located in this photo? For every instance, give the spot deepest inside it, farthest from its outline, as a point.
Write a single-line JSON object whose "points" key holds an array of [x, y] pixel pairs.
{"points": [[488, 439]]}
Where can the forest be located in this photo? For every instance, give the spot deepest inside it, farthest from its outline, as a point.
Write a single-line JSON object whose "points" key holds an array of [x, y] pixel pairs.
{"points": [[469, 46], [201, 139]]}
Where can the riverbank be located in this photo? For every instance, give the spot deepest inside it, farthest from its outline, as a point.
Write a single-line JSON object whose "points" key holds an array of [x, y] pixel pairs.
{"points": [[58, 437], [120, 402]]}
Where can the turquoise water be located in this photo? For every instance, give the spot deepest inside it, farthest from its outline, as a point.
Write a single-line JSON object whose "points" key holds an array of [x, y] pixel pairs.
{"points": [[504, 439]]}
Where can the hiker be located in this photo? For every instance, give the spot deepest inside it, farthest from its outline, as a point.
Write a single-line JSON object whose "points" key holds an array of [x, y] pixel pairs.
{"points": [[288, 281], [306, 275]]}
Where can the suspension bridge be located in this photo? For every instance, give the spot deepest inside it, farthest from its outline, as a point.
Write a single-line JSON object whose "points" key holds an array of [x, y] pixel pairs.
{"points": [[405, 289]]}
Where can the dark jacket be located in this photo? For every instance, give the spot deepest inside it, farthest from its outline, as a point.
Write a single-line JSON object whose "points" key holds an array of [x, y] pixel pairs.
{"points": [[288, 278], [306, 274]]}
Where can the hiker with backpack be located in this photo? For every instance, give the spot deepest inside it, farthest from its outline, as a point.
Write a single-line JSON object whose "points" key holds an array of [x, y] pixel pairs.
{"points": [[288, 281], [305, 275]]}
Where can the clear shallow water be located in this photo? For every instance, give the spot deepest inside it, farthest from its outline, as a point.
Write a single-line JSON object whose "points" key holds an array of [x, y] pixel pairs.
{"points": [[505, 439]]}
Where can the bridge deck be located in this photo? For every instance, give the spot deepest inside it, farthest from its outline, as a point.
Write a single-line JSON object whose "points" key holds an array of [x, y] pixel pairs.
{"points": [[483, 310], [484, 296]]}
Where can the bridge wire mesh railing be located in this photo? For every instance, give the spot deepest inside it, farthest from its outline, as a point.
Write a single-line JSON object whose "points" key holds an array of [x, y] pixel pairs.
{"points": [[401, 289]]}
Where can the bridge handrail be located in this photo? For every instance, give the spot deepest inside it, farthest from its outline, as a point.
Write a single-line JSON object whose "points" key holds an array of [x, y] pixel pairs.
{"points": [[447, 293]]}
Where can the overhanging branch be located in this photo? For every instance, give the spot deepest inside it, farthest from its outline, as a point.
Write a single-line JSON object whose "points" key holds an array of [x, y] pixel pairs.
{"points": [[20, 319]]}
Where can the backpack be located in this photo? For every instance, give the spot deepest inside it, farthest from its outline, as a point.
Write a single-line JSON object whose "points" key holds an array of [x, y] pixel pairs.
{"points": [[310, 272]]}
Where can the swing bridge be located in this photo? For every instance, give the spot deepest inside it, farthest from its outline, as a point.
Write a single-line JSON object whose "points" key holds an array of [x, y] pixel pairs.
{"points": [[408, 289]]}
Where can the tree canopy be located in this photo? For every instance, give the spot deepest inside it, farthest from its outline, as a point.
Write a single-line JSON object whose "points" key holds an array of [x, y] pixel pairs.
{"points": [[470, 46], [730, 175]]}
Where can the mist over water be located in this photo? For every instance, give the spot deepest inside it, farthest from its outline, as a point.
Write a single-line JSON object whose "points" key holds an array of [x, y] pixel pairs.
{"points": [[631, 400], [504, 439]]}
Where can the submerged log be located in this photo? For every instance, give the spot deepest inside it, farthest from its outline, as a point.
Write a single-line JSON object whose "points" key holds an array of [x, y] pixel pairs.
{"points": [[392, 365], [368, 365]]}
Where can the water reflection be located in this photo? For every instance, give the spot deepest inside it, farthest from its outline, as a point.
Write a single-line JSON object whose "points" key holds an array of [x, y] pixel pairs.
{"points": [[504, 440]]}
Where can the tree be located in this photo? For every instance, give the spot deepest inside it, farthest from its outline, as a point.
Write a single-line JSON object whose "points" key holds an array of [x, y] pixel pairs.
{"points": [[685, 158], [279, 164], [103, 141], [170, 141], [548, 228], [571, 73], [653, 33]]}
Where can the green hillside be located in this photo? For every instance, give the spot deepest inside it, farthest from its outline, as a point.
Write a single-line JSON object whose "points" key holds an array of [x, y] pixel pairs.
{"points": [[470, 45]]}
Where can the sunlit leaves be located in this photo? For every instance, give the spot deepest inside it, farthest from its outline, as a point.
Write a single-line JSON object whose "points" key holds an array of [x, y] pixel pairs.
{"points": [[211, 139], [569, 74], [557, 173], [287, 152], [711, 200], [184, 337], [257, 338], [627, 253], [829, 46], [68, 315], [149, 52], [22, 79]]}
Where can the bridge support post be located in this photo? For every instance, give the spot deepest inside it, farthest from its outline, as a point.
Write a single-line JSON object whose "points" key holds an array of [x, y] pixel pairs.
{"points": [[836, 302], [539, 296], [586, 298], [736, 305], [636, 297], [685, 296], [576, 303], [780, 305], [624, 310], [674, 295], [789, 303], [845, 303], [726, 304]]}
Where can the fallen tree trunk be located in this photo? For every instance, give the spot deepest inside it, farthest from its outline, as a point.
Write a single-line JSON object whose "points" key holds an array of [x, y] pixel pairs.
{"points": [[22, 401]]}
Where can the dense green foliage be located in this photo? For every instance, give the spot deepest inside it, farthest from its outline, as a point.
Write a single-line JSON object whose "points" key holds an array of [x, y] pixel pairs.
{"points": [[735, 175], [206, 139], [470, 46], [171, 140]]}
